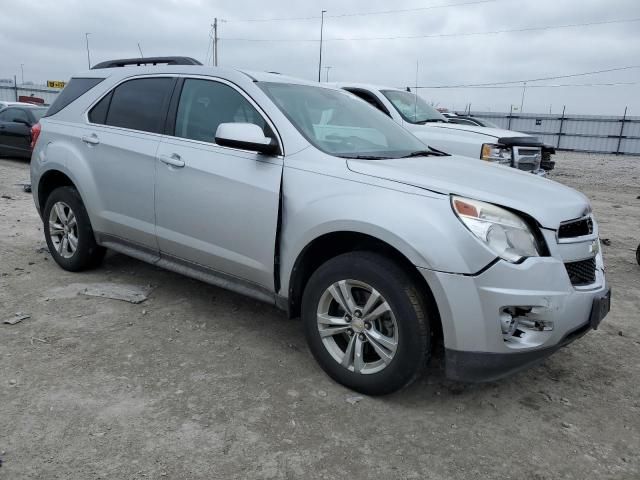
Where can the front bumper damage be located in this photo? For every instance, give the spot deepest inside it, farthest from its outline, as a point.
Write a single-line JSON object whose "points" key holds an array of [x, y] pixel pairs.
{"points": [[512, 316]]}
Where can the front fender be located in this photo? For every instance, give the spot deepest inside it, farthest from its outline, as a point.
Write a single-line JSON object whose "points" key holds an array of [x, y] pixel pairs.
{"points": [[422, 228]]}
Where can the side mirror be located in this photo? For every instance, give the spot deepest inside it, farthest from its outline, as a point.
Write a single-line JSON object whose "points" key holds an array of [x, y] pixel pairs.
{"points": [[246, 136], [22, 121]]}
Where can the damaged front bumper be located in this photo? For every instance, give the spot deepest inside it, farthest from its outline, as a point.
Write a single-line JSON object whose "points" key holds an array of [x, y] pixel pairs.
{"points": [[512, 316]]}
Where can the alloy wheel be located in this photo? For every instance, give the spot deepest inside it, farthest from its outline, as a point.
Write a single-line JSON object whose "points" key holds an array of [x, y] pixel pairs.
{"points": [[63, 229], [357, 326]]}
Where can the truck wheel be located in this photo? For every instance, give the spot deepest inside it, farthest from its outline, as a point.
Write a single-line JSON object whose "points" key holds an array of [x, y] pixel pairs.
{"points": [[366, 323], [68, 231], [638, 255]]}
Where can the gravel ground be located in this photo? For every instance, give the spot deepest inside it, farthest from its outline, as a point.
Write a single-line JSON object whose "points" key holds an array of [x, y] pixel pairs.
{"points": [[197, 382]]}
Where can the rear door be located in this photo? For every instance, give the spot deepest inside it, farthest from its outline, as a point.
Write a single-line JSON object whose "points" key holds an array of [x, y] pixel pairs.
{"points": [[217, 207], [120, 143], [15, 137]]}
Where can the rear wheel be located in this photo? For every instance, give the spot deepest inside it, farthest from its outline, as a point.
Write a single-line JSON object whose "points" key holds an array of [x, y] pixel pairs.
{"points": [[68, 231], [366, 323]]}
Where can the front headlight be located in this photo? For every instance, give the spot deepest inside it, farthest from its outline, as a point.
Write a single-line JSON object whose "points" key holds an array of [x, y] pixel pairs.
{"points": [[506, 234], [496, 153]]}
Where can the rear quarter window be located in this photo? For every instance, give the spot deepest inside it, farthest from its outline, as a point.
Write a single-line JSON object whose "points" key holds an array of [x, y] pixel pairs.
{"points": [[74, 90]]}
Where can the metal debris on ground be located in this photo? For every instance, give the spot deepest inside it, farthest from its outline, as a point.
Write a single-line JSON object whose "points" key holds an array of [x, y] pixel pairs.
{"points": [[26, 187], [354, 399], [17, 318], [127, 293]]}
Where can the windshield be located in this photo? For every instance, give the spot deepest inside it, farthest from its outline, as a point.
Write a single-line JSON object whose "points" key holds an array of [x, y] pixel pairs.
{"points": [[412, 107], [487, 123], [340, 124]]}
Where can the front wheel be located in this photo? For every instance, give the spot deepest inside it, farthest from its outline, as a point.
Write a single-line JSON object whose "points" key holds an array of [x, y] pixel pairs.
{"points": [[366, 323]]}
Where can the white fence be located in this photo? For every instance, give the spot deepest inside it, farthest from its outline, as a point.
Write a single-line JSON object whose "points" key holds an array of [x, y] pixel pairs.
{"points": [[583, 133]]}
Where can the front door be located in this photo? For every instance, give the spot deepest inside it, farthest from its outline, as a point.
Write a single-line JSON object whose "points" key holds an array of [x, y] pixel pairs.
{"points": [[217, 207], [15, 137]]}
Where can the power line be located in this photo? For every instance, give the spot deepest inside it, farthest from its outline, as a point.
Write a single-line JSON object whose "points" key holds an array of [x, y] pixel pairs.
{"points": [[440, 35], [363, 14], [528, 80]]}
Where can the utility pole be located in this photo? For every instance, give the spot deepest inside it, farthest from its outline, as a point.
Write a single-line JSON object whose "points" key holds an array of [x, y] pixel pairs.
{"points": [[86, 37], [524, 89], [327, 68], [321, 29], [215, 42], [22, 70]]}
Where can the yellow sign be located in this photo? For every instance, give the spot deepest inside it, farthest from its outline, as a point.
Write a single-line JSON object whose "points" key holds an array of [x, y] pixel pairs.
{"points": [[55, 84]]}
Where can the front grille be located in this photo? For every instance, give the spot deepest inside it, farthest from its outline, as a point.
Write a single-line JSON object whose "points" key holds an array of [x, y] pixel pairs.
{"points": [[576, 228], [526, 158], [527, 167], [582, 272], [528, 152]]}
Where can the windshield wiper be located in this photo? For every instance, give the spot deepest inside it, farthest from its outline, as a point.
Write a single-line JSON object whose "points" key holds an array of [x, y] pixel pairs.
{"points": [[431, 120], [364, 157], [425, 153]]}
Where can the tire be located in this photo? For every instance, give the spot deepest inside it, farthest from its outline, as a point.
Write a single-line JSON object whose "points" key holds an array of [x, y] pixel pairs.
{"points": [[404, 327], [638, 255], [66, 202]]}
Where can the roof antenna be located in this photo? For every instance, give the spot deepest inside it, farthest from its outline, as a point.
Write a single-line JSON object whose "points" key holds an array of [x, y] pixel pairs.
{"points": [[141, 55], [415, 105]]}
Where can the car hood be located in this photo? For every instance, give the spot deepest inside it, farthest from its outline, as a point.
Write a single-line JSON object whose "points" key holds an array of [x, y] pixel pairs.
{"points": [[546, 201], [493, 132]]}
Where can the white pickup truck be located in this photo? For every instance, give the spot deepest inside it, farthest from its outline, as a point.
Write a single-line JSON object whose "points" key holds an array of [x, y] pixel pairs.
{"points": [[506, 147]]}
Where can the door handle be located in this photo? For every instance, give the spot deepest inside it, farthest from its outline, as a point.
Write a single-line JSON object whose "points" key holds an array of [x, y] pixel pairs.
{"points": [[91, 139], [174, 160]]}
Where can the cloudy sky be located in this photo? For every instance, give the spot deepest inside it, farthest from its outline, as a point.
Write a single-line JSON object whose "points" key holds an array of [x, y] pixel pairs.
{"points": [[49, 39]]}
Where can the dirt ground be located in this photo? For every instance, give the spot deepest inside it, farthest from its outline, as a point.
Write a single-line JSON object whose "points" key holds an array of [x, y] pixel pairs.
{"points": [[200, 383]]}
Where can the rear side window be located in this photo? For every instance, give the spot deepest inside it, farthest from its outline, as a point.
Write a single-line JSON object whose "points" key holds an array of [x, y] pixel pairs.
{"points": [[139, 104], [74, 89]]}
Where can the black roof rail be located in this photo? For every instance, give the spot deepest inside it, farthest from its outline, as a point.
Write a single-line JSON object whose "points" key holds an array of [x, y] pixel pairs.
{"points": [[147, 61]]}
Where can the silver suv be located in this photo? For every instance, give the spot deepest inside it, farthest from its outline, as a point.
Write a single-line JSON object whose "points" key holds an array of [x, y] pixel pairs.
{"points": [[306, 197]]}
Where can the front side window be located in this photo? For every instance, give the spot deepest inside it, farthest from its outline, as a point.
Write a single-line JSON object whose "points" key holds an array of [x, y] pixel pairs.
{"points": [[205, 104], [340, 124], [140, 104], [413, 108]]}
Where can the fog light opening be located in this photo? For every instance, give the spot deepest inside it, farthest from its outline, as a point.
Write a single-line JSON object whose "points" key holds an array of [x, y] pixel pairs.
{"points": [[517, 321]]}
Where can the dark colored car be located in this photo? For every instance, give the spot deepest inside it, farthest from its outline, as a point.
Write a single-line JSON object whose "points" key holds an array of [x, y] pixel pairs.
{"points": [[16, 123]]}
